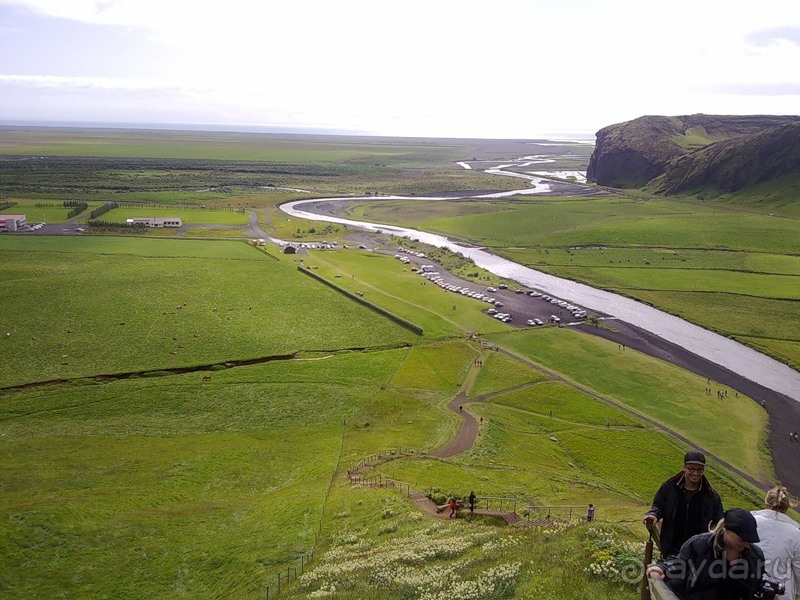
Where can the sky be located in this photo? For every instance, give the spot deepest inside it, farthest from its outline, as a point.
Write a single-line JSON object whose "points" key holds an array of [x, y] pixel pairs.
{"points": [[434, 68]]}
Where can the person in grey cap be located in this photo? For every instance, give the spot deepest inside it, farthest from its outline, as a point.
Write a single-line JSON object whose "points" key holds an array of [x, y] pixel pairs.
{"points": [[722, 564], [686, 505]]}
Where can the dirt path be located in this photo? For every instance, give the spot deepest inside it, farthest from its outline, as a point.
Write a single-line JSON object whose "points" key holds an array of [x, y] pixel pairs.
{"points": [[468, 431]]}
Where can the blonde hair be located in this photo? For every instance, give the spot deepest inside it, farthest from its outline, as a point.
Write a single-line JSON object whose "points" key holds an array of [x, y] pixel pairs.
{"points": [[718, 528], [778, 499], [717, 532]]}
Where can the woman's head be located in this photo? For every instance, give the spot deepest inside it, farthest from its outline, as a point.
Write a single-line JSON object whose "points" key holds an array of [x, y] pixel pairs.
{"points": [[736, 530], [778, 499]]}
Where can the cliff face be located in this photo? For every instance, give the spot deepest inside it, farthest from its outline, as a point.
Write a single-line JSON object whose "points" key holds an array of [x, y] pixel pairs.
{"points": [[671, 154], [630, 154]]}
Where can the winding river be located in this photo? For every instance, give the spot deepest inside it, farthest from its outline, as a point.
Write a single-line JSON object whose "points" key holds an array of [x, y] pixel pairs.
{"points": [[723, 351]]}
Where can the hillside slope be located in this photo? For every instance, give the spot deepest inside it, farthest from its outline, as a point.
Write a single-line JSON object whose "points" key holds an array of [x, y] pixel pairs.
{"points": [[732, 164], [694, 151]]}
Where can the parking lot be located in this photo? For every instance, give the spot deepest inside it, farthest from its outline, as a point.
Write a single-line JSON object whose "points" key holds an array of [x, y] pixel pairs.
{"points": [[514, 305]]}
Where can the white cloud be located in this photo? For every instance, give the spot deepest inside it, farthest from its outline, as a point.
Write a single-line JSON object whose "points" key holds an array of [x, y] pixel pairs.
{"points": [[448, 64]]}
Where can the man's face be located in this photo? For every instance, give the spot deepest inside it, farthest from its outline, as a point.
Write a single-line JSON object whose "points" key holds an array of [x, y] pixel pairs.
{"points": [[693, 473]]}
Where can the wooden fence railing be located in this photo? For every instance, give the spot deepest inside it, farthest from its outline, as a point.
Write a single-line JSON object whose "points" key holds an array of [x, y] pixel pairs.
{"points": [[659, 590], [498, 503], [378, 480], [536, 513], [380, 455]]}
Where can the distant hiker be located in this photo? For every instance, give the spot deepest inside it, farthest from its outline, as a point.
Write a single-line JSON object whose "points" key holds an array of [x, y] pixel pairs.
{"points": [[472, 502], [780, 540], [590, 513], [452, 508], [461, 408], [551, 414], [686, 505], [481, 420]]}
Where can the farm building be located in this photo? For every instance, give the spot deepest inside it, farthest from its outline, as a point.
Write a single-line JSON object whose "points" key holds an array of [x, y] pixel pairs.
{"points": [[12, 222], [156, 221]]}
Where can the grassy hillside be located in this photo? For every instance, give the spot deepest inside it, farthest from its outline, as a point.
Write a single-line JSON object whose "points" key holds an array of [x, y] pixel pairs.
{"points": [[209, 483], [685, 153]]}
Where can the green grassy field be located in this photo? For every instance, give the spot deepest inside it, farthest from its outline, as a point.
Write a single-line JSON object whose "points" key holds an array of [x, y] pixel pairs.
{"points": [[190, 216], [250, 306], [654, 388], [42, 211], [721, 267]]}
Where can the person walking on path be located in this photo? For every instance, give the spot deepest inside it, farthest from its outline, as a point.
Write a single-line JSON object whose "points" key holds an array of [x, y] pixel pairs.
{"points": [[472, 502], [590, 513], [686, 505], [452, 508], [780, 541], [722, 564]]}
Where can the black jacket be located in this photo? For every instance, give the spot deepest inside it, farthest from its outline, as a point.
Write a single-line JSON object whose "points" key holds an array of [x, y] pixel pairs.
{"points": [[701, 571], [680, 520]]}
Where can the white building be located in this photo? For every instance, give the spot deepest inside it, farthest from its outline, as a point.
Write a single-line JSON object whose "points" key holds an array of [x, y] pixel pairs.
{"points": [[12, 222], [156, 221]]}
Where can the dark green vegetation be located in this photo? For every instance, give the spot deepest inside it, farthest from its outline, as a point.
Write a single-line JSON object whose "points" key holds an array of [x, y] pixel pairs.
{"points": [[177, 416], [206, 167], [695, 153]]}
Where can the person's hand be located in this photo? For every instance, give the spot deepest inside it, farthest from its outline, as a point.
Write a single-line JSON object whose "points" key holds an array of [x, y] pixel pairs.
{"points": [[655, 571], [650, 518]]}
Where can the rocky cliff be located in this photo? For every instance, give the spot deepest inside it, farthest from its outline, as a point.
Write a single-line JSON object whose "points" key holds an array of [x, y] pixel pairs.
{"points": [[672, 154]]}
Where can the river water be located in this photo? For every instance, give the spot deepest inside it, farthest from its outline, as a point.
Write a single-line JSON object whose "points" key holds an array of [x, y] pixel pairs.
{"points": [[723, 351]]}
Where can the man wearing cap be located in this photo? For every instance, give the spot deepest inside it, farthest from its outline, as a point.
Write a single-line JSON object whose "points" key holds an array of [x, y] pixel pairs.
{"points": [[719, 565], [686, 505]]}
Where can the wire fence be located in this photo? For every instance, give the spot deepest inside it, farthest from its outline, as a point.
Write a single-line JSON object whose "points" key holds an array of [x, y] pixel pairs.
{"points": [[296, 568]]}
